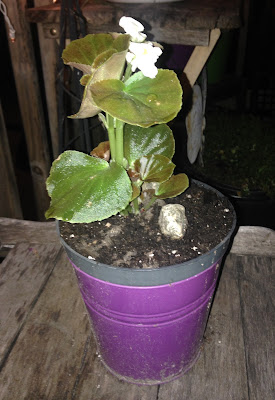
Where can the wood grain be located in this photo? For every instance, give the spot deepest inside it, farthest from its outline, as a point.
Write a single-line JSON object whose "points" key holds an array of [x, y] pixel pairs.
{"points": [[24, 273], [46, 359], [199, 57], [30, 102], [10, 205], [14, 231], [188, 14], [254, 240], [257, 288], [49, 56]]}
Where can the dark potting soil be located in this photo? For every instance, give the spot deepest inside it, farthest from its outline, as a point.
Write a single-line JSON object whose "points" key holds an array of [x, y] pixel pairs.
{"points": [[135, 241]]}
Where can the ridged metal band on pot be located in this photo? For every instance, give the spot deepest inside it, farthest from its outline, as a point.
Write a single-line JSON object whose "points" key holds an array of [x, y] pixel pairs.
{"points": [[151, 276]]}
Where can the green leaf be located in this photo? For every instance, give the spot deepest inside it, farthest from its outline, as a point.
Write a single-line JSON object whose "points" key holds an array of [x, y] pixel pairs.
{"points": [[86, 189], [140, 101], [154, 168], [87, 107], [100, 57], [140, 142], [173, 187], [83, 53]]}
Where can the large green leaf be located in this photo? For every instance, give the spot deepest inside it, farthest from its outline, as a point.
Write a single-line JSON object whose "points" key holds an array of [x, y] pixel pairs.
{"points": [[173, 187], [111, 69], [141, 100], [100, 57], [154, 168], [86, 189], [93, 50], [140, 142]]}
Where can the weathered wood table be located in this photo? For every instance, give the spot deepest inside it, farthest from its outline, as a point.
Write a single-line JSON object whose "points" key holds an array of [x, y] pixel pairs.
{"points": [[47, 351]]}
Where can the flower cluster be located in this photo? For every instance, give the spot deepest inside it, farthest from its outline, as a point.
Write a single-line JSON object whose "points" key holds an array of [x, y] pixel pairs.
{"points": [[142, 55]]}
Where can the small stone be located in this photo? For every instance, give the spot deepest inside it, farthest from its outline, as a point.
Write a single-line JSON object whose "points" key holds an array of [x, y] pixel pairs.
{"points": [[172, 221]]}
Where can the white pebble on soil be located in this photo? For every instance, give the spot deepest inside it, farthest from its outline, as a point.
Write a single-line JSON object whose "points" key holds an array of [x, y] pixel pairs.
{"points": [[172, 221]]}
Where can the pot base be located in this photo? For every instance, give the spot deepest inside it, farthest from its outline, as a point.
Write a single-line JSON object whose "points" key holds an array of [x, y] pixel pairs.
{"points": [[148, 382]]}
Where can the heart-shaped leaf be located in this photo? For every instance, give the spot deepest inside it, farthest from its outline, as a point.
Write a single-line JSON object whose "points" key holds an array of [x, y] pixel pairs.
{"points": [[86, 189], [154, 168], [99, 57], [87, 52], [173, 187], [141, 100], [140, 142]]}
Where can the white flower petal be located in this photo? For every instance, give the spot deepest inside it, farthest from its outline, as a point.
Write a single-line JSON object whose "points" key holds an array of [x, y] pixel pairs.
{"points": [[145, 57], [133, 28]]}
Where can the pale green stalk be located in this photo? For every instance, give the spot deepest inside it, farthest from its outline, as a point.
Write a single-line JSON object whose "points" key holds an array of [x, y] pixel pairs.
{"points": [[112, 135], [119, 142]]}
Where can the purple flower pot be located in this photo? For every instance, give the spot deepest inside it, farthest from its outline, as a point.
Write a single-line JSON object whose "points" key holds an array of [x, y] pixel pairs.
{"points": [[149, 324]]}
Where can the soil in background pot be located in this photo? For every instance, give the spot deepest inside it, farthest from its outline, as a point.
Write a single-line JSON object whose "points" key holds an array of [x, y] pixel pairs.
{"points": [[135, 241]]}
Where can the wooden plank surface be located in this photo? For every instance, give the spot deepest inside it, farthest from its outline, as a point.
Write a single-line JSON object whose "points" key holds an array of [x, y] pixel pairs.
{"points": [[254, 240], [185, 22], [23, 275], [14, 231], [47, 356], [257, 288]]}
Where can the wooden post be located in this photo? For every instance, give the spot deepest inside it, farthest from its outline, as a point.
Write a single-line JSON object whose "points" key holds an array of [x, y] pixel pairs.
{"points": [[48, 52], [199, 57], [9, 198], [29, 97]]}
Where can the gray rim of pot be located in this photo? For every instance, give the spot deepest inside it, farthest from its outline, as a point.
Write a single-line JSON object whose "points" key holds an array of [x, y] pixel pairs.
{"points": [[152, 276]]}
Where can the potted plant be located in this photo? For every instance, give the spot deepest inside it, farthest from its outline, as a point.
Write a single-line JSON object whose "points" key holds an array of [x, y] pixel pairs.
{"points": [[147, 290]]}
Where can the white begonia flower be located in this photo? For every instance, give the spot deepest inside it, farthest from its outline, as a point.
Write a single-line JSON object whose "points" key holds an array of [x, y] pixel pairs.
{"points": [[133, 28], [144, 56]]}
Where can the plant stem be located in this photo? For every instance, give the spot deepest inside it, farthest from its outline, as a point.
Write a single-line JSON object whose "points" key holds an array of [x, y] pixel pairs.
{"points": [[135, 205], [119, 142], [150, 203], [111, 134], [128, 72]]}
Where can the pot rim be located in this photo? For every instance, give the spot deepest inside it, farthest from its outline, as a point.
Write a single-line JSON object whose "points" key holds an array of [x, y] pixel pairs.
{"points": [[152, 276]]}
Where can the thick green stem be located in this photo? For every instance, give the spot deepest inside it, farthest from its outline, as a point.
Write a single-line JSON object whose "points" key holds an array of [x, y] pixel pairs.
{"points": [[112, 135], [119, 142]]}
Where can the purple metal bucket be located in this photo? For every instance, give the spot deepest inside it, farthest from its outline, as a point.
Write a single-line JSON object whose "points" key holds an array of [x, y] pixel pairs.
{"points": [[149, 324]]}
